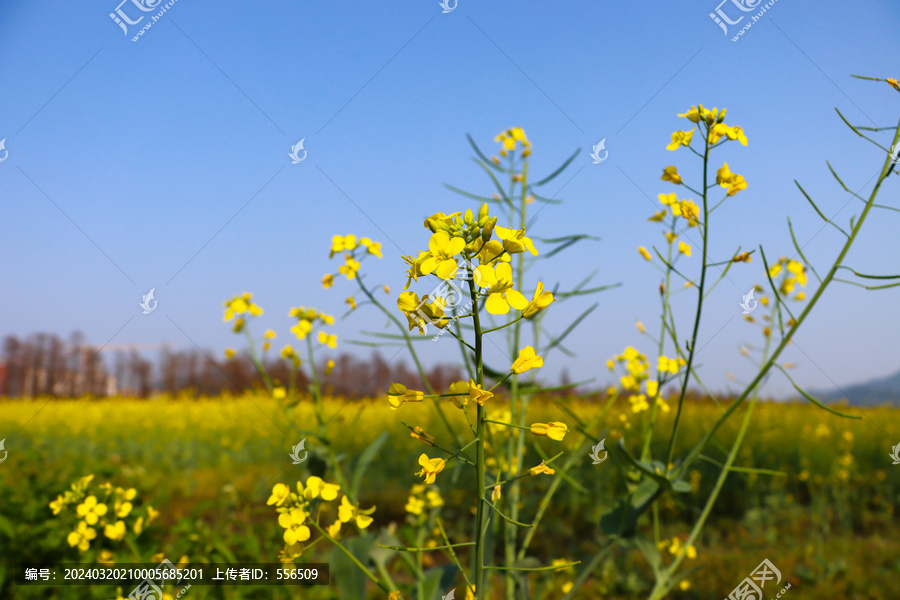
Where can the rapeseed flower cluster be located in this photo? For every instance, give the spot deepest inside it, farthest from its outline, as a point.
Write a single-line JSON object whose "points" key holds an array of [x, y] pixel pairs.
{"points": [[298, 510], [108, 513], [238, 307]]}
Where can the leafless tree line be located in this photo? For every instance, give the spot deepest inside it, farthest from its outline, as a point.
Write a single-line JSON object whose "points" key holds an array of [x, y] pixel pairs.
{"points": [[44, 365]]}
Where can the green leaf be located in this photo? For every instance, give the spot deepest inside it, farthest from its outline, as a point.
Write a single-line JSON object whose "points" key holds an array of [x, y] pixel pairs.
{"points": [[438, 581], [621, 521], [365, 459], [650, 552], [481, 154], [559, 170], [351, 581]]}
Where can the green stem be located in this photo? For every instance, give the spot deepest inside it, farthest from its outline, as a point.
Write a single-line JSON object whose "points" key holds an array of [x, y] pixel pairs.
{"points": [[479, 456], [350, 555], [693, 349]]}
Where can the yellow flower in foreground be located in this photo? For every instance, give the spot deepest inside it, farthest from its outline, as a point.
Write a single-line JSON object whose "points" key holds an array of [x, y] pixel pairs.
{"points": [[371, 247], [328, 280], [539, 302], [442, 255], [421, 312], [554, 430], [430, 467], [670, 365], [732, 181], [317, 488], [671, 174], [893, 83], [280, 493], [420, 434], [334, 529], [350, 267], [415, 268], [398, 394], [680, 138], [328, 340], [90, 510], [351, 301], [541, 468], [465, 391], [499, 281], [644, 253], [742, 257], [526, 360], [82, 536], [115, 532], [240, 305], [348, 511], [514, 240], [684, 248], [340, 243], [294, 529]]}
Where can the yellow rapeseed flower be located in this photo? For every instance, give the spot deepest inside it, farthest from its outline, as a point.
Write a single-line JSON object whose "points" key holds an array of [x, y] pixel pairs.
{"points": [[733, 182], [515, 241], [280, 493], [293, 524], [240, 305], [539, 302], [115, 532], [526, 360], [328, 280], [554, 430], [82, 536], [350, 267], [684, 248], [348, 512], [541, 468], [680, 138], [499, 281], [671, 174], [317, 488], [398, 394], [442, 255], [90, 510], [328, 340], [420, 311], [430, 467], [644, 252], [341, 243], [229, 353]]}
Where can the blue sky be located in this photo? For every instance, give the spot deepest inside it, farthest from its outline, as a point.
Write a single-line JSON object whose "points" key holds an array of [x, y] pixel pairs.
{"points": [[163, 163]]}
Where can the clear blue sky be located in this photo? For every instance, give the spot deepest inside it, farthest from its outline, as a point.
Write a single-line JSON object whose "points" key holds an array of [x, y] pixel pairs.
{"points": [[131, 162]]}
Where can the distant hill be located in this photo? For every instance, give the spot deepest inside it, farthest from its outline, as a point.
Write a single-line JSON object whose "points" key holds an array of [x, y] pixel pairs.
{"points": [[877, 392]]}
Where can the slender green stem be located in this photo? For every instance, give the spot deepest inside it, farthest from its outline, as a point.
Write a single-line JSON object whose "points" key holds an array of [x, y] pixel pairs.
{"points": [[352, 558], [479, 456], [692, 351]]}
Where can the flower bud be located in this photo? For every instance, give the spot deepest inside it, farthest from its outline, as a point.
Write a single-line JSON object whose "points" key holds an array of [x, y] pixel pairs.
{"points": [[483, 212], [488, 229], [468, 217]]}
